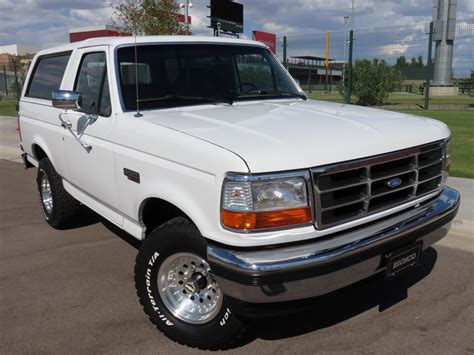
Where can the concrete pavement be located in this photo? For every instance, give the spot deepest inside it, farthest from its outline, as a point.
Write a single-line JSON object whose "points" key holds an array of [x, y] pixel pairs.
{"points": [[462, 231], [9, 139]]}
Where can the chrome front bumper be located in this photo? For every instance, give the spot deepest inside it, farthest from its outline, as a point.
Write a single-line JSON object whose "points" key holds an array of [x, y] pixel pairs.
{"points": [[315, 268]]}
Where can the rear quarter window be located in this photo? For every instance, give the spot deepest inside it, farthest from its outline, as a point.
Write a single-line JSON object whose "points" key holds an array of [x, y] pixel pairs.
{"points": [[47, 75]]}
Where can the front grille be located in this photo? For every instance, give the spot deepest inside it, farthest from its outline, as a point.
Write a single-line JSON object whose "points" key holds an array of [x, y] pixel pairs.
{"points": [[352, 190]]}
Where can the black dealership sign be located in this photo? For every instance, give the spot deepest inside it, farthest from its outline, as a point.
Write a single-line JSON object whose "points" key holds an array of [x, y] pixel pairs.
{"points": [[229, 14]]}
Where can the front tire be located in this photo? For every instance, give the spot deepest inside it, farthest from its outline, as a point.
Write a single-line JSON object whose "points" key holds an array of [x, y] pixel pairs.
{"points": [[58, 206], [177, 291]]}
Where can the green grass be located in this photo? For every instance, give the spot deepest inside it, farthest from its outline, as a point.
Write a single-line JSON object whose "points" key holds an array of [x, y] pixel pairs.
{"points": [[333, 97], [402, 98], [461, 124], [8, 108]]}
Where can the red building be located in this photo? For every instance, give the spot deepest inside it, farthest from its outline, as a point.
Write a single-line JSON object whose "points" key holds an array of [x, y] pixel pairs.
{"points": [[80, 34]]}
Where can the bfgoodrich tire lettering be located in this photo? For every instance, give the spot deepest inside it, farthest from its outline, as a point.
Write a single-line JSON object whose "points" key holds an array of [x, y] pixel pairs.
{"points": [[177, 239]]}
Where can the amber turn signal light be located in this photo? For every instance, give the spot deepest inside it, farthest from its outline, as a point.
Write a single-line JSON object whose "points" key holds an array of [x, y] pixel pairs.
{"points": [[267, 219]]}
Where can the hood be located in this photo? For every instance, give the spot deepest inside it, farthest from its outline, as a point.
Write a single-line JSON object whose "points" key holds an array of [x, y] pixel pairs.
{"points": [[283, 135]]}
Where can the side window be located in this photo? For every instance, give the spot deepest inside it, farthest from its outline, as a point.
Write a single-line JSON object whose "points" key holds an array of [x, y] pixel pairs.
{"points": [[255, 72], [92, 83], [47, 76], [105, 109]]}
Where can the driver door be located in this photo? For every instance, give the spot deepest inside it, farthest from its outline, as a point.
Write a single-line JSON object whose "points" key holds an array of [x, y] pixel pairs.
{"points": [[92, 170]]}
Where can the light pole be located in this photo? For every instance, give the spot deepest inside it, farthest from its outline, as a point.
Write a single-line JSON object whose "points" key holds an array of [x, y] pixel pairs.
{"points": [[186, 5], [346, 18], [353, 17]]}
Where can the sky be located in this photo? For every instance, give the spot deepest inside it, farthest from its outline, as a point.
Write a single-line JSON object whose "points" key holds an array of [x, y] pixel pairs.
{"points": [[46, 22]]}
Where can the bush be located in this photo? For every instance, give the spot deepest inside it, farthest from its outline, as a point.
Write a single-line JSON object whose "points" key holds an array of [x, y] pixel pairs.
{"points": [[372, 81]]}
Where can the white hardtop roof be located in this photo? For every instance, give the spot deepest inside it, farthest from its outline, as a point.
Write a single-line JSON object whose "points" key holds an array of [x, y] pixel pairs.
{"points": [[117, 41]]}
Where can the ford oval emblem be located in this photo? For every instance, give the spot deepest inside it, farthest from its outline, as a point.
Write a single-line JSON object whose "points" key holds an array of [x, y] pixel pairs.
{"points": [[395, 182]]}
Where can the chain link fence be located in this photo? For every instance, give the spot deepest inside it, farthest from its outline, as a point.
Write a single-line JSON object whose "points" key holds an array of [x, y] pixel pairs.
{"points": [[393, 67], [10, 82], [403, 75]]}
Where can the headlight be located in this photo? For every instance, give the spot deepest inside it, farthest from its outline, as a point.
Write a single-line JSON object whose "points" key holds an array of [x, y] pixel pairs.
{"points": [[262, 202], [448, 152]]}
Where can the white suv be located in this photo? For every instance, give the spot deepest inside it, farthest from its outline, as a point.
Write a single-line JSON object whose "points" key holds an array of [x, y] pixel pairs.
{"points": [[241, 189]]}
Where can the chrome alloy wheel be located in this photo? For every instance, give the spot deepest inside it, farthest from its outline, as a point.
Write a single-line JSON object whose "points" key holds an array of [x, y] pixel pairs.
{"points": [[188, 289], [46, 194]]}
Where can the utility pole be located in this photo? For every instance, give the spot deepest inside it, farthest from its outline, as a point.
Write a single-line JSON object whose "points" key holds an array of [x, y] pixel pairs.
{"points": [[428, 67], [186, 5], [351, 44], [349, 83], [353, 17], [346, 18]]}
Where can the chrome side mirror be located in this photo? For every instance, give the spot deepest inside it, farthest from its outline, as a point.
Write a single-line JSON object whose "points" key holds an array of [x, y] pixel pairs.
{"points": [[67, 100]]}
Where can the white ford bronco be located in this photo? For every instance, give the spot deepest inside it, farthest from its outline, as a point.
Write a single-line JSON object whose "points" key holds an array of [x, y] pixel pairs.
{"points": [[241, 190]]}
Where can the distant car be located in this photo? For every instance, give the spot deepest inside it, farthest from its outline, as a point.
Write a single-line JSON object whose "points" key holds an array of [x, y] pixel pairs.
{"points": [[241, 189]]}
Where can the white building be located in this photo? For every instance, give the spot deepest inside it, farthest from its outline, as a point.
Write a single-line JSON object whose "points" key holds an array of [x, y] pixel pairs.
{"points": [[20, 49]]}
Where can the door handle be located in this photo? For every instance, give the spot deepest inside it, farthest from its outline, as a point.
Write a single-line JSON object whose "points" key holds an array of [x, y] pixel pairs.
{"points": [[86, 144], [66, 124]]}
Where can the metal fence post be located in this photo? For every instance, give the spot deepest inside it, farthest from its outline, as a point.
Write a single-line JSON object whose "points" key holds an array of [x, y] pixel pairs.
{"points": [[349, 74], [284, 52], [328, 39], [310, 80], [16, 81], [5, 80], [428, 69]]}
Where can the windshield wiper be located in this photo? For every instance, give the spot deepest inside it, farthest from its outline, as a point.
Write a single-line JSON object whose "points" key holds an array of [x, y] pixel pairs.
{"points": [[271, 93], [186, 98]]}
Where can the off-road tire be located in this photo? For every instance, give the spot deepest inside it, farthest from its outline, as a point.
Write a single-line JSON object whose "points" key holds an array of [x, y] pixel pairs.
{"points": [[181, 236], [65, 207]]}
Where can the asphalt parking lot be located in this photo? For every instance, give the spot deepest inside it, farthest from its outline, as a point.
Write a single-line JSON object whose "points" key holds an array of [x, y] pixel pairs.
{"points": [[72, 291]]}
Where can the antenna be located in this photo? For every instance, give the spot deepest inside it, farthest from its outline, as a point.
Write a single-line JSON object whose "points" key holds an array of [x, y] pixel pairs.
{"points": [[138, 114]]}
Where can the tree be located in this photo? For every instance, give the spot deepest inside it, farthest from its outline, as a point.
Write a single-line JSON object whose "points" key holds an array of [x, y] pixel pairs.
{"points": [[401, 62], [373, 81], [414, 62], [149, 17], [420, 61]]}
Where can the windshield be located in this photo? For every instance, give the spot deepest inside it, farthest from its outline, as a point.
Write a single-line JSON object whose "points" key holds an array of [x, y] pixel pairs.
{"points": [[190, 74]]}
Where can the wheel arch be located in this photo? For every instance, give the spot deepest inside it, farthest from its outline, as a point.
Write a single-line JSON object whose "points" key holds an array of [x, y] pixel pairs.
{"points": [[155, 211], [38, 152]]}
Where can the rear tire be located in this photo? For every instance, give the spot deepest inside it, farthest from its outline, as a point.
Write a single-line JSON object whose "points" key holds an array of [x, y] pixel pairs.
{"points": [[58, 206], [177, 291]]}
